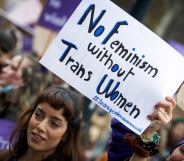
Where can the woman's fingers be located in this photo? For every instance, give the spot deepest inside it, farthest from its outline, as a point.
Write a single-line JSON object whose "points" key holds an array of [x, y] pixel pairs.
{"points": [[163, 110], [172, 101], [168, 105], [161, 115]]}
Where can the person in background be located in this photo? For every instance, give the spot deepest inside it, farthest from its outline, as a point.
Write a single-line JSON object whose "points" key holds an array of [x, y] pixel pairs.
{"points": [[8, 42], [171, 134], [177, 151], [12, 73], [21, 80], [49, 130], [176, 132]]}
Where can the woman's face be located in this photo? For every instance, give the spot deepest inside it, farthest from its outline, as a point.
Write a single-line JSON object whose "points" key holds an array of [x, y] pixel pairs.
{"points": [[177, 131], [177, 154], [46, 128], [12, 73]]}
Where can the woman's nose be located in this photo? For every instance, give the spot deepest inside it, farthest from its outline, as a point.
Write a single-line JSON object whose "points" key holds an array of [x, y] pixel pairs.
{"points": [[42, 126]]}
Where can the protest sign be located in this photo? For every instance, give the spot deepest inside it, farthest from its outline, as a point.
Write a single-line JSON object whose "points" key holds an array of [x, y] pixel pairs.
{"points": [[52, 19], [56, 13], [115, 61]]}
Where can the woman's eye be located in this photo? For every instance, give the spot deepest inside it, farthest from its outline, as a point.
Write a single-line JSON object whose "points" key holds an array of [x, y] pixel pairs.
{"points": [[54, 124], [38, 115], [182, 148]]}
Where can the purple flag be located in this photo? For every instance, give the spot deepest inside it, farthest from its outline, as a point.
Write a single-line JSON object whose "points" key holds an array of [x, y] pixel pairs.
{"points": [[56, 13]]}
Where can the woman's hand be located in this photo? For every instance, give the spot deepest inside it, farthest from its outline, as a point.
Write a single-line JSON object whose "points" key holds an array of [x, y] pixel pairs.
{"points": [[160, 117], [163, 111]]}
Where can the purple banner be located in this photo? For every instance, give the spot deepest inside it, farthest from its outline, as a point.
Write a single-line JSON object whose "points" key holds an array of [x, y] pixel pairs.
{"points": [[179, 47], [56, 13], [27, 44], [6, 128]]}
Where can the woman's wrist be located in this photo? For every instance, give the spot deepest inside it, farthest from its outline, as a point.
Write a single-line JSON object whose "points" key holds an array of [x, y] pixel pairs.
{"points": [[150, 134], [136, 157], [155, 138], [141, 148]]}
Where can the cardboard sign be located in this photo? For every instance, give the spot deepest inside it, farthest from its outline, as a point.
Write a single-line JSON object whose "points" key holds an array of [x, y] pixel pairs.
{"points": [[115, 61]]}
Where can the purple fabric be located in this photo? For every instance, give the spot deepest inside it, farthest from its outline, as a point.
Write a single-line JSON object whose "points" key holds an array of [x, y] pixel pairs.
{"points": [[6, 128], [27, 44], [178, 143], [56, 13], [118, 150], [179, 47]]}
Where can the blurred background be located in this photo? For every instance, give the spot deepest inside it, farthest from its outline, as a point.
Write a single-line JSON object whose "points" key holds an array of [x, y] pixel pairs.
{"points": [[27, 27]]}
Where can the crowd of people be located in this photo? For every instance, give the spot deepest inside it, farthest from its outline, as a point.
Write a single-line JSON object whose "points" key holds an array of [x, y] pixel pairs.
{"points": [[68, 126]]}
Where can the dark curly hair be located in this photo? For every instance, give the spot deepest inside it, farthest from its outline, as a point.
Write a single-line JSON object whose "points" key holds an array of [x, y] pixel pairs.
{"points": [[67, 150]]}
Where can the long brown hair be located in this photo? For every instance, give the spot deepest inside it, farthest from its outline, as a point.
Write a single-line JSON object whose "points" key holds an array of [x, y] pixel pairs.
{"points": [[67, 149]]}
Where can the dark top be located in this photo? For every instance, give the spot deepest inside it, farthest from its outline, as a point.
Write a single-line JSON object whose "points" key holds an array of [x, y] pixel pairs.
{"points": [[118, 150], [13, 159]]}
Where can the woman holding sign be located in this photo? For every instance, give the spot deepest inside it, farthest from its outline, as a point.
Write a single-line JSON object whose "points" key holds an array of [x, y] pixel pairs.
{"points": [[49, 130], [142, 146]]}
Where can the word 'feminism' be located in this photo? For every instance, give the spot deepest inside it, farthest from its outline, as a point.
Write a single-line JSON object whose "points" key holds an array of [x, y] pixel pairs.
{"points": [[99, 29], [103, 55]]}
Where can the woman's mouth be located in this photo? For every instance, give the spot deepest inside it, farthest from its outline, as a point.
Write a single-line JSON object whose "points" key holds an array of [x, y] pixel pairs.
{"points": [[37, 138]]}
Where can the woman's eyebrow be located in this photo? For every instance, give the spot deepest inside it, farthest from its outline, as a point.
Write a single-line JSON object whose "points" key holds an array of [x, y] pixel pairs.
{"points": [[57, 118], [39, 109]]}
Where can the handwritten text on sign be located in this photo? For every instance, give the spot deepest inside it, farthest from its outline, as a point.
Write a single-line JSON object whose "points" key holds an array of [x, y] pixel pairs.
{"points": [[115, 61]]}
